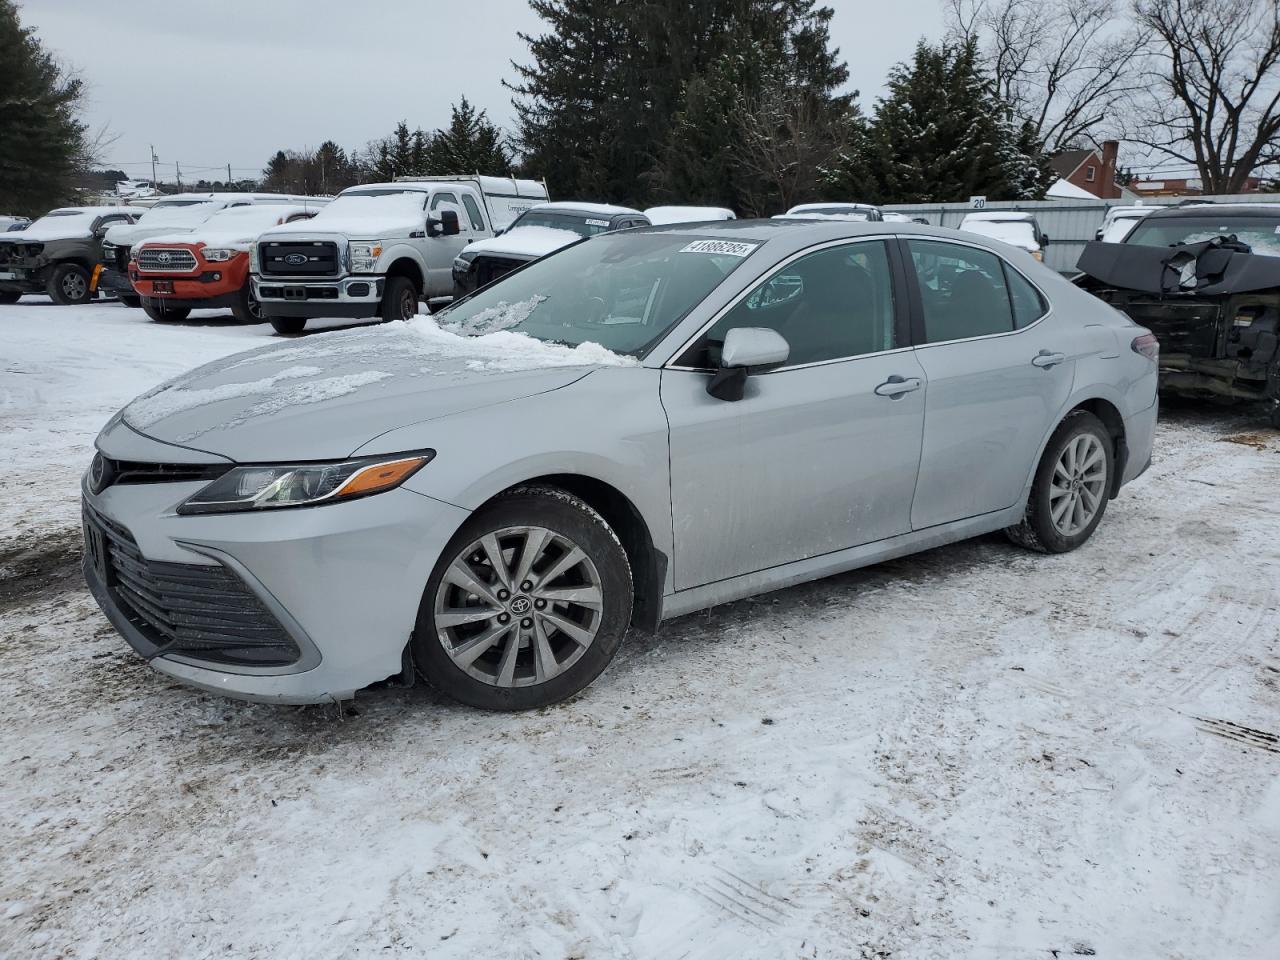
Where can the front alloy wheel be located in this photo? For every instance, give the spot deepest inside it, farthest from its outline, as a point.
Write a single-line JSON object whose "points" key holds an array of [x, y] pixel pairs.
{"points": [[527, 604]]}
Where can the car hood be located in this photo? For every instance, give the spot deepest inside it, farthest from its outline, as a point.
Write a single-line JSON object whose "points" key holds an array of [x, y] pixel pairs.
{"points": [[527, 242], [324, 396]]}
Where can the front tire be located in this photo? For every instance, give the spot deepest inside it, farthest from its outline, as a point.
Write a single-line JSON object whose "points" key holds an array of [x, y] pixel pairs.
{"points": [[9, 296], [399, 299], [1071, 488], [288, 324], [162, 312], [129, 301], [246, 309], [68, 285], [527, 604]]}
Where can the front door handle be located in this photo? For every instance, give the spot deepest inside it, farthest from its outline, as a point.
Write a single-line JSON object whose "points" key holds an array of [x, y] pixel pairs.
{"points": [[897, 386], [1046, 359]]}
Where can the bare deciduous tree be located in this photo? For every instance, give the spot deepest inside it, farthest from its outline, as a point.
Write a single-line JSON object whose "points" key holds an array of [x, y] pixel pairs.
{"points": [[1215, 86], [789, 145], [1066, 67]]}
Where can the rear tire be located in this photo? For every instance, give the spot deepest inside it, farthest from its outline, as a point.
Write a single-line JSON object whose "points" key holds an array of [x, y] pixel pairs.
{"points": [[129, 301], [246, 309], [288, 324], [1071, 488], [526, 658], [161, 312], [399, 299], [9, 296], [68, 285]]}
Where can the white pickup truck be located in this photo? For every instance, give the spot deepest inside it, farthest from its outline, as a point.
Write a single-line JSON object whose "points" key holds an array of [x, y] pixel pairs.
{"points": [[378, 249]]}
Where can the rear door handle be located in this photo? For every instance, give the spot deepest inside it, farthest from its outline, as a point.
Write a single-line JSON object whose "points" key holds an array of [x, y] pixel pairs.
{"points": [[1046, 359], [896, 386]]}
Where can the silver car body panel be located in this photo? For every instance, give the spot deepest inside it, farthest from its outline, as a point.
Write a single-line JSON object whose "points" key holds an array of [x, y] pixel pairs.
{"points": [[811, 473]]}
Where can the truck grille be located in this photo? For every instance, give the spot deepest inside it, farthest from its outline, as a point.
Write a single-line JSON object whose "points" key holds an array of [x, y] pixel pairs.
{"points": [[166, 260], [299, 258], [204, 612]]}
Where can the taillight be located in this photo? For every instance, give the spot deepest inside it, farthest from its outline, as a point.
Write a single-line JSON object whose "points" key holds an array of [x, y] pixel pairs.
{"points": [[1148, 346]]}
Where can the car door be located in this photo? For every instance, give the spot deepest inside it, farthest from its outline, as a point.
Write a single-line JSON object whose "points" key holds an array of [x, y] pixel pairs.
{"points": [[442, 249], [817, 456], [999, 370]]}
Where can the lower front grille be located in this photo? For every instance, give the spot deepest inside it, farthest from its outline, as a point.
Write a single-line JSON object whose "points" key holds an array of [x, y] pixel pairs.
{"points": [[299, 258], [204, 612]]}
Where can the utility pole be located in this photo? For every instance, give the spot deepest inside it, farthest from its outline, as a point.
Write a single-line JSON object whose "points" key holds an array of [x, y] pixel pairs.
{"points": [[228, 176], [178, 168], [154, 161]]}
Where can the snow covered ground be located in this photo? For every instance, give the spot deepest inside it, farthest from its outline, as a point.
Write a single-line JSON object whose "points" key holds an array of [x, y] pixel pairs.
{"points": [[975, 752]]}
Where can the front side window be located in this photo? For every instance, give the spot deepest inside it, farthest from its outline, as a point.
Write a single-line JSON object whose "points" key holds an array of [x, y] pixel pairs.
{"points": [[829, 305], [962, 291], [473, 211], [440, 198], [624, 291]]}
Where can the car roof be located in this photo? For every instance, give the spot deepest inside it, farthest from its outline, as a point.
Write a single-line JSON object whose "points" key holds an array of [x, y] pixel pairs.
{"points": [[1270, 210], [999, 216], [798, 233], [586, 209]]}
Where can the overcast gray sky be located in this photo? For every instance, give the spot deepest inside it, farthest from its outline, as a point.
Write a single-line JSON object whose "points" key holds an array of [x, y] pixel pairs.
{"points": [[232, 82]]}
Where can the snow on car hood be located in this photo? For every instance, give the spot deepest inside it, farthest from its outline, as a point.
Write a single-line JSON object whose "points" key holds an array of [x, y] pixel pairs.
{"points": [[324, 396], [369, 217], [48, 229], [532, 242]]}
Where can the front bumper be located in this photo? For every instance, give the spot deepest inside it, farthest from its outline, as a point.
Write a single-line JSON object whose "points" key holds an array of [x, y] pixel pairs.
{"points": [[356, 296], [344, 581], [23, 279]]}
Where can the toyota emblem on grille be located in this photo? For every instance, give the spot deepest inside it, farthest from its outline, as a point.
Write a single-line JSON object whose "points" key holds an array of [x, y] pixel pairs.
{"points": [[296, 259], [164, 257]]}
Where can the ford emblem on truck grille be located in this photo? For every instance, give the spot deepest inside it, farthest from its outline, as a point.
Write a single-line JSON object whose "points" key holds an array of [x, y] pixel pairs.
{"points": [[296, 259]]}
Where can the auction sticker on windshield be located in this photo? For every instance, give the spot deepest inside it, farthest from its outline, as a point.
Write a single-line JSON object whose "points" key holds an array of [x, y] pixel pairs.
{"points": [[597, 223], [732, 248]]}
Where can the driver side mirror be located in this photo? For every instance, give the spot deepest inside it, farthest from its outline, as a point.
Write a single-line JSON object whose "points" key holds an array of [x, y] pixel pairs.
{"points": [[746, 351], [446, 225], [1044, 239]]}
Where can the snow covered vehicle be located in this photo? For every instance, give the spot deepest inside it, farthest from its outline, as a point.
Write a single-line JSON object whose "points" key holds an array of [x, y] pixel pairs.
{"points": [[1011, 226], [665, 216], [172, 214], [541, 230], [207, 267], [1206, 281], [1118, 221], [833, 211], [10, 224], [375, 251], [58, 254]]}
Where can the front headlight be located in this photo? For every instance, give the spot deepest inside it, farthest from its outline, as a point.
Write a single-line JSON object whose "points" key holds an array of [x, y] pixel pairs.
{"points": [[304, 484], [217, 254], [463, 260], [364, 257]]}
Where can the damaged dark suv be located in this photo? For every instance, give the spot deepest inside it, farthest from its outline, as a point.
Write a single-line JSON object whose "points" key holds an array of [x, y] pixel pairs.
{"points": [[1206, 280]]}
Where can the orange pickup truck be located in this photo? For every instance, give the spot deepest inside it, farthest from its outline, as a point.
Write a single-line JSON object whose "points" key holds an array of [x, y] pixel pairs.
{"points": [[208, 267]]}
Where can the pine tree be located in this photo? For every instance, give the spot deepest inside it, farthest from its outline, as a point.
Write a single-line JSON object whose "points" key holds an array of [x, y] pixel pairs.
{"points": [[400, 150], [942, 135], [470, 144], [43, 144], [632, 101]]}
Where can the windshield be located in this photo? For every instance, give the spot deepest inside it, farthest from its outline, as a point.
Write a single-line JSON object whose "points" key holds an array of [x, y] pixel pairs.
{"points": [[188, 213], [1262, 234], [579, 223], [623, 291], [165, 204]]}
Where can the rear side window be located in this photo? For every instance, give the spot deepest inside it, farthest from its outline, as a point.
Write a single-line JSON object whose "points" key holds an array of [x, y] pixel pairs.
{"points": [[473, 211], [962, 291], [1028, 304]]}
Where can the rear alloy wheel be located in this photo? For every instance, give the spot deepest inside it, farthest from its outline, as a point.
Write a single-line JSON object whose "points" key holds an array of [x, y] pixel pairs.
{"points": [[9, 296], [68, 285], [528, 603], [246, 309], [161, 311], [399, 299], [288, 324], [1072, 486]]}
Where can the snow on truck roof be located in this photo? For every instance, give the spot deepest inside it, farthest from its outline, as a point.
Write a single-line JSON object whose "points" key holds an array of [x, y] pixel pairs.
{"points": [[688, 214], [999, 216]]}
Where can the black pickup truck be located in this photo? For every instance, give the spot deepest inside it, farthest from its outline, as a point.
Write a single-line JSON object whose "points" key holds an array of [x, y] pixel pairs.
{"points": [[58, 254], [1205, 279]]}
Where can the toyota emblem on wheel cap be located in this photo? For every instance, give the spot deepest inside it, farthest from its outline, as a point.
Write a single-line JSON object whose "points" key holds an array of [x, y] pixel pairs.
{"points": [[521, 606]]}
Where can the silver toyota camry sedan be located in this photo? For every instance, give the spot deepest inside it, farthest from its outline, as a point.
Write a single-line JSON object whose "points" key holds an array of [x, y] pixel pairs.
{"points": [[641, 425]]}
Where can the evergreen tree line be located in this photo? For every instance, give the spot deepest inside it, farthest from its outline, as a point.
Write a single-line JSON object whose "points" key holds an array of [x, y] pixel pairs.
{"points": [[737, 103], [471, 143]]}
